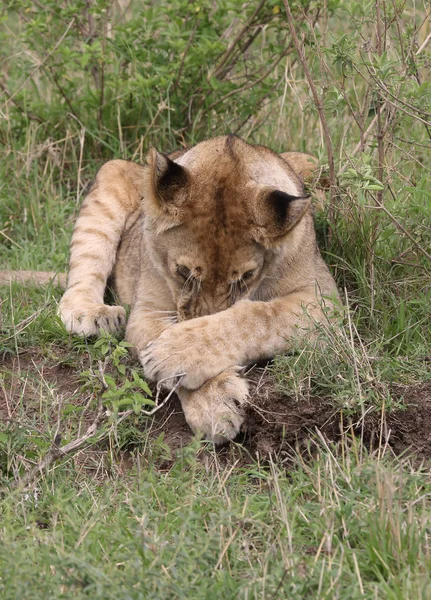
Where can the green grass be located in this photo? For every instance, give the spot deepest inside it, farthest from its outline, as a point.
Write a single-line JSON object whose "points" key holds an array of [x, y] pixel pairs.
{"points": [[332, 529], [128, 515]]}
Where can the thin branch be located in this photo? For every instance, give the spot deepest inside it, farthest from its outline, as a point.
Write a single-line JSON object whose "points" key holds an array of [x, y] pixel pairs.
{"points": [[381, 206], [22, 110], [370, 127], [56, 451], [232, 45], [424, 44], [183, 58], [25, 323], [62, 92], [42, 62], [253, 83], [379, 113], [317, 101]]}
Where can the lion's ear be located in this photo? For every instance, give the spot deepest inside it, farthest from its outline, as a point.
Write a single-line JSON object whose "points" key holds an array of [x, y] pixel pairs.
{"points": [[304, 165], [166, 186], [277, 213]]}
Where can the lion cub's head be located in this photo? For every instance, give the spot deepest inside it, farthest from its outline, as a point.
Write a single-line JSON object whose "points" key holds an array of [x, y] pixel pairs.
{"points": [[218, 215]]}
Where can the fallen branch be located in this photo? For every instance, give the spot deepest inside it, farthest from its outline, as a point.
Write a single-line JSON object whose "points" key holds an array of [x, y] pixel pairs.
{"points": [[56, 451]]}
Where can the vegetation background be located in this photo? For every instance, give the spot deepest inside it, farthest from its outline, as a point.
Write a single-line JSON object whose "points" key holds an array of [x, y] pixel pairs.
{"points": [[84, 81]]}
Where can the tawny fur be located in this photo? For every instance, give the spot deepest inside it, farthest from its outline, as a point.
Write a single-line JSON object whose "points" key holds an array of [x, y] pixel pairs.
{"points": [[214, 249]]}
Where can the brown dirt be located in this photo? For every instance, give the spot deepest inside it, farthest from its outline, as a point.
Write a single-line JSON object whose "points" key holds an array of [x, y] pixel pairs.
{"points": [[275, 423]]}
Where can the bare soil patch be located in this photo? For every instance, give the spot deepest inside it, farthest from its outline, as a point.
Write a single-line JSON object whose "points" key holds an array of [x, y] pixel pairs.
{"points": [[275, 423]]}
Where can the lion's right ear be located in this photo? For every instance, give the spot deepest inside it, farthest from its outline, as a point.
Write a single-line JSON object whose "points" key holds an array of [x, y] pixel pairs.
{"points": [[276, 214], [165, 188]]}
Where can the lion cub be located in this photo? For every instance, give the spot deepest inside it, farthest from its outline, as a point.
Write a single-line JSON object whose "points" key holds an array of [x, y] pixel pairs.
{"points": [[214, 249]]}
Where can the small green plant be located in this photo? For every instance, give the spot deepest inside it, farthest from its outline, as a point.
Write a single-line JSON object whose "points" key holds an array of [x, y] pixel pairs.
{"points": [[119, 386]]}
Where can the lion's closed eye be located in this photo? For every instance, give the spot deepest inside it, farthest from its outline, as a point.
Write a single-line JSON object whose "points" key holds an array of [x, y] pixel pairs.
{"points": [[184, 272], [247, 275]]}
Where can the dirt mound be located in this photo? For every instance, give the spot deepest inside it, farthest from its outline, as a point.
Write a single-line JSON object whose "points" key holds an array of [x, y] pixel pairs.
{"points": [[275, 423]]}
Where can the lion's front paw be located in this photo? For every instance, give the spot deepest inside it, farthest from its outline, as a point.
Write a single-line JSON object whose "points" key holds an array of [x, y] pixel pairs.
{"points": [[190, 349], [89, 320], [216, 409]]}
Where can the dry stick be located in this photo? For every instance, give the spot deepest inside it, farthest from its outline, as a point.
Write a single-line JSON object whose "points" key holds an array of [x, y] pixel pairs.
{"points": [[319, 106], [81, 137], [240, 51], [380, 133], [395, 97], [257, 109], [161, 107], [62, 92], [25, 323], [2, 232], [56, 451], [424, 44], [381, 158], [157, 407], [361, 143]]}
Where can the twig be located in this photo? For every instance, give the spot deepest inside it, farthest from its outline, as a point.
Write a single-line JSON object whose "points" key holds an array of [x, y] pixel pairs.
{"points": [[183, 58], [424, 44], [29, 115], [380, 206], [2, 232], [37, 67], [161, 107], [370, 127], [252, 83], [25, 323], [379, 113], [56, 451], [317, 102], [361, 143], [232, 45], [62, 92], [157, 407]]}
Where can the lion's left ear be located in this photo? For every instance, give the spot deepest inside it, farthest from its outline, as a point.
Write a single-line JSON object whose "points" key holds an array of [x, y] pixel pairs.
{"points": [[277, 213], [304, 165], [164, 185]]}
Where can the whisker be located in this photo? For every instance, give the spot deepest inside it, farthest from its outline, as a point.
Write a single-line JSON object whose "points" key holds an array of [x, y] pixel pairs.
{"points": [[150, 310], [167, 320], [190, 280], [242, 283]]}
